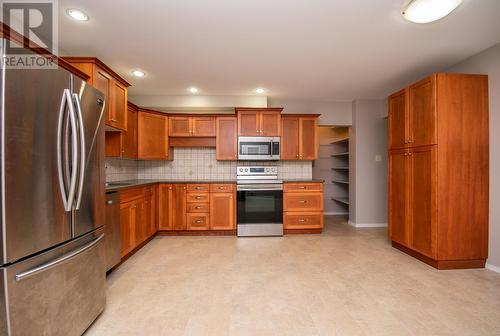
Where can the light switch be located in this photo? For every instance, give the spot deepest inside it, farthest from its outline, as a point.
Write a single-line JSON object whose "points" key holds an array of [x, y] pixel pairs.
{"points": [[378, 158]]}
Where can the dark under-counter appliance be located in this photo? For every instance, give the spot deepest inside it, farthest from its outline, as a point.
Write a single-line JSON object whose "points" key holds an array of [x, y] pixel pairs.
{"points": [[259, 148], [260, 202], [112, 230], [52, 192]]}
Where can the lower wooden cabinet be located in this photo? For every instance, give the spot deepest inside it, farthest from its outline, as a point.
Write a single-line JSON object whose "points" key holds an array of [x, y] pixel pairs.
{"points": [[223, 211], [137, 217], [303, 207], [196, 207]]}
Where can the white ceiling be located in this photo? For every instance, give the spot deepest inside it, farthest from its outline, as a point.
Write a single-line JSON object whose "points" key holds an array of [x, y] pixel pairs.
{"points": [[315, 49]]}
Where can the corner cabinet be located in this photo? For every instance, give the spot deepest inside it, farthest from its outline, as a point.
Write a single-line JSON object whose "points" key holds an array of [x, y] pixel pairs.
{"points": [[438, 170], [152, 134], [259, 121], [110, 84], [299, 137]]}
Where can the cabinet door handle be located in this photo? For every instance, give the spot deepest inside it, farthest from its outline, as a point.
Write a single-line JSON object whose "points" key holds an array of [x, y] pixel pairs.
{"points": [[302, 187], [302, 220], [198, 197], [302, 201], [297, 156], [197, 207], [197, 221]]}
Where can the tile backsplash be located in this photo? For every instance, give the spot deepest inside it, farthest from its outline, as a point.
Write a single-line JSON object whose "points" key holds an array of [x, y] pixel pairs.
{"points": [[196, 164]]}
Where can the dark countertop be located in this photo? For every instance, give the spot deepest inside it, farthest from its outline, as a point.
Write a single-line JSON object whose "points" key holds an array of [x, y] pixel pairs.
{"points": [[292, 180], [118, 185]]}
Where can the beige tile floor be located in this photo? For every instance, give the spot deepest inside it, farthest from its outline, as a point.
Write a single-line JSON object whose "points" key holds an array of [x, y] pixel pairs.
{"points": [[344, 282]]}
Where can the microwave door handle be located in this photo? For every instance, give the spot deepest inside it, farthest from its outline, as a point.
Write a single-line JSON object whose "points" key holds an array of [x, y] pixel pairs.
{"points": [[272, 149]]}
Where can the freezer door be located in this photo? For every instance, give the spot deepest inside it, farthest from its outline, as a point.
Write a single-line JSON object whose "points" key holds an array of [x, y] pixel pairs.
{"points": [[34, 217], [90, 197], [59, 292]]}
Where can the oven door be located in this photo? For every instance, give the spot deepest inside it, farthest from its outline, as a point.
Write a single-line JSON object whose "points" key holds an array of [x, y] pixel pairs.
{"points": [[260, 204], [258, 148]]}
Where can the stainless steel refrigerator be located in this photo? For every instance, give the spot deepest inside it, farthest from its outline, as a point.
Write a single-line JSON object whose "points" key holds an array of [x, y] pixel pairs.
{"points": [[52, 267]]}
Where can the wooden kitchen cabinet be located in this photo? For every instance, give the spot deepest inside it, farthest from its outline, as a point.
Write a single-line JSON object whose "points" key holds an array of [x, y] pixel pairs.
{"points": [[129, 137], [226, 147], [124, 143], [303, 207], [259, 121], [110, 84], [412, 115], [128, 216], [299, 137], [438, 177], [178, 207], [223, 210], [137, 217], [192, 126], [152, 130], [165, 203]]}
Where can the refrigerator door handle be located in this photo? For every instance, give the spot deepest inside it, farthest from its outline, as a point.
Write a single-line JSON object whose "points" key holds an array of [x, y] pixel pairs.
{"points": [[55, 262], [66, 101], [81, 166]]}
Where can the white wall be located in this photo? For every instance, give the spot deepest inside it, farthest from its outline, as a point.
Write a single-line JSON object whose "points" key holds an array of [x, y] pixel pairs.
{"points": [[488, 62], [332, 112], [368, 177], [160, 103]]}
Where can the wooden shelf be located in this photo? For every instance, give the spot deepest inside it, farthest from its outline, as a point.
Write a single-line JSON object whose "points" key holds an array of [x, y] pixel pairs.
{"points": [[340, 154], [340, 181], [346, 140], [344, 200]]}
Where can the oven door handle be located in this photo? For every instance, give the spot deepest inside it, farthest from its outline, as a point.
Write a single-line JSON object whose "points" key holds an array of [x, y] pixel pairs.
{"points": [[264, 187]]}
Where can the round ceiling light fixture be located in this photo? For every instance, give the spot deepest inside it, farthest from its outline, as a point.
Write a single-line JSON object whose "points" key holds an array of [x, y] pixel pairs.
{"points": [[138, 73], [260, 90], [193, 89], [77, 14], [425, 11]]}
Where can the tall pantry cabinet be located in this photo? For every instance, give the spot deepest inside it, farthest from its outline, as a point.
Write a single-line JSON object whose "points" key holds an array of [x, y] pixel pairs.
{"points": [[439, 170]]}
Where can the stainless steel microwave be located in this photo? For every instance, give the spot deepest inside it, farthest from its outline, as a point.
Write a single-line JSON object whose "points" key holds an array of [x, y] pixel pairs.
{"points": [[258, 148]]}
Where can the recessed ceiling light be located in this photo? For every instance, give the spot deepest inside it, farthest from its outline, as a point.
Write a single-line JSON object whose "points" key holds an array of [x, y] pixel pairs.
{"points": [[138, 73], [77, 14], [193, 89], [425, 11], [260, 90]]}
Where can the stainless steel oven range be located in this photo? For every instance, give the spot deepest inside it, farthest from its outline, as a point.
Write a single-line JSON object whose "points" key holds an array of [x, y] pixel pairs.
{"points": [[260, 201]]}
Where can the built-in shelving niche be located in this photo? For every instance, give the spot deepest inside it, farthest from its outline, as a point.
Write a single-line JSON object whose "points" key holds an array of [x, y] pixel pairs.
{"points": [[332, 166]]}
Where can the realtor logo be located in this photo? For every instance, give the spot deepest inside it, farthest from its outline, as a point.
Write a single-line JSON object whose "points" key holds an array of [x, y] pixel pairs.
{"points": [[37, 22]]}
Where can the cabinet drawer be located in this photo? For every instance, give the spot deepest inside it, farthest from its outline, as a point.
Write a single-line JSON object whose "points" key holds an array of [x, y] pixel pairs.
{"points": [[221, 187], [302, 187], [303, 220], [198, 208], [198, 221], [303, 202], [198, 187], [197, 197]]}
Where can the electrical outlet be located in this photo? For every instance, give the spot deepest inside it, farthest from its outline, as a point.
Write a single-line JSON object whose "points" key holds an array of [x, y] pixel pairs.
{"points": [[378, 158]]}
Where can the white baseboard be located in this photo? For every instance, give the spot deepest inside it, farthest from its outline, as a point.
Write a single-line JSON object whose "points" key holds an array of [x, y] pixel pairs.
{"points": [[493, 268], [335, 213], [367, 225]]}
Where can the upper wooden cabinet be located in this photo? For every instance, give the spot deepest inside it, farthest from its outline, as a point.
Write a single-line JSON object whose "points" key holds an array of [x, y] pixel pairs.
{"points": [[259, 121], [110, 84], [152, 130], [412, 115], [299, 137], [191, 126], [129, 137], [226, 138], [438, 170]]}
